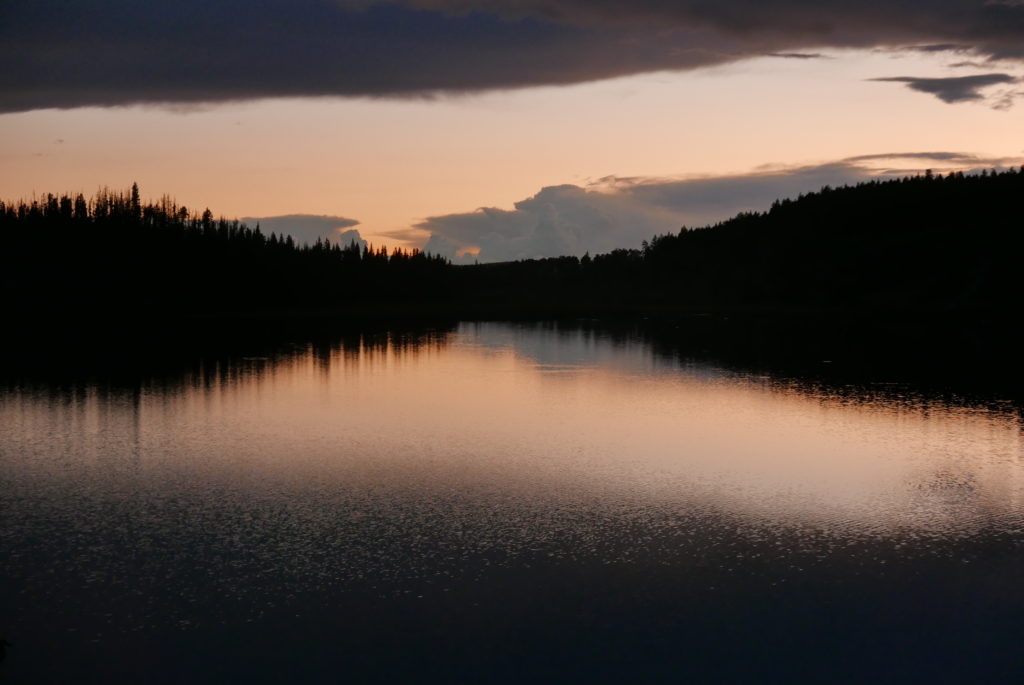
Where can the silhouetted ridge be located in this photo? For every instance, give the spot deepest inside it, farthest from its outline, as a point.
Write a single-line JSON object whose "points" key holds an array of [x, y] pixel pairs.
{"points": [[923, 244]]}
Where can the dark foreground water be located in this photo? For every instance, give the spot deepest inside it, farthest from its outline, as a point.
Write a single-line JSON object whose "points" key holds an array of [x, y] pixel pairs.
{"points": [[504, 503]]}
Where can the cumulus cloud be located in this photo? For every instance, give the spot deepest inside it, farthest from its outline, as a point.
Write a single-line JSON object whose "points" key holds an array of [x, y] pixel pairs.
{"points": [[114, 52], [621, 212], [953, 89], [306, 228], [559, 220], [439, 245]]}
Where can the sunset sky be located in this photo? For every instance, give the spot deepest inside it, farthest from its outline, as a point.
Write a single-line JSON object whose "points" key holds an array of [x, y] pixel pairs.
{"points": [[514, 129]]}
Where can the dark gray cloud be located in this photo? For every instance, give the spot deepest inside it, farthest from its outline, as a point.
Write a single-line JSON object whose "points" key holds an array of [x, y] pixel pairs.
{"points": [[55, 53], [797, 55], [111, 52], [621, 212], [306, 228], [953, 89], [937, 47], [959, 159], [991, 28]]}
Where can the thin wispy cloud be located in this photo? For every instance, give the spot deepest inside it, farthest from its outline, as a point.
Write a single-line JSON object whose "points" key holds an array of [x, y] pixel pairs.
{"points": [[797, 55], [955, 159], [968, 64], [116, 52], [937, 47]]}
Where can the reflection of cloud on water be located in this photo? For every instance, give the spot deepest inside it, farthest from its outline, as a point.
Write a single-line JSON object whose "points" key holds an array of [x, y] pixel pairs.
{"points": [[888, 471], [775, 450], [564, 347]]}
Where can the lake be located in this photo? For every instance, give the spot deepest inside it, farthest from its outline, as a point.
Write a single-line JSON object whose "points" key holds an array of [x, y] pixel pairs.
{"points": [[502, 502]]}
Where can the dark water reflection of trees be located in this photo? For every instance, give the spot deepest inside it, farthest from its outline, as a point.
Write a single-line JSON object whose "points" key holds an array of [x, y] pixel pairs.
{"points": [[960, 362]]}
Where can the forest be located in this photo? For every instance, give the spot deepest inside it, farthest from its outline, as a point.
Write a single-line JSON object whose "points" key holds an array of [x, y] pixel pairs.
{"points": [[927, 244], [112, 254]]}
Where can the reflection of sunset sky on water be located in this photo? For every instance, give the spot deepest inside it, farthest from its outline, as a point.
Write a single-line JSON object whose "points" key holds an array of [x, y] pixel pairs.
{"points": [[489, 502], [571, 419]]}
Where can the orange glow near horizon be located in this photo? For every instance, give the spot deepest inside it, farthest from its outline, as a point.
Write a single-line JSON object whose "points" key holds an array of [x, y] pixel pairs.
{"points": [[392, 163]]}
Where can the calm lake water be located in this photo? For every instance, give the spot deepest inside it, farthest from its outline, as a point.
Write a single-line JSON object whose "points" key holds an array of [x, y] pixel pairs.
{"points": [[505, 503]]}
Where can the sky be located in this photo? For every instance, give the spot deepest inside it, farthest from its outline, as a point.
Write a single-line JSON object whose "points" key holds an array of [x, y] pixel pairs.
{"points": [[489, 130]]}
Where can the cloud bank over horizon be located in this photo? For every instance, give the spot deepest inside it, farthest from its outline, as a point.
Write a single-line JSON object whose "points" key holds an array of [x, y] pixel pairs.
{"points": [[622, 212], [121, 52]]}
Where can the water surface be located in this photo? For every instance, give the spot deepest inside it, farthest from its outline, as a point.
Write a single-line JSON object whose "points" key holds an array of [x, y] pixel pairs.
{"points": [[505, 503]]}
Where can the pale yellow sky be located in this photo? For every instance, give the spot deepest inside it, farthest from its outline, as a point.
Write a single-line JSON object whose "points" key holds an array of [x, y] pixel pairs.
{"points": [[392, 163]]}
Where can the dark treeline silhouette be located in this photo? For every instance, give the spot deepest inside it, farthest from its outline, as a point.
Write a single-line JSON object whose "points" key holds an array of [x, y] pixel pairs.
{"points": [[925, 244], [857, 360], [214, 355], [114, 254]]}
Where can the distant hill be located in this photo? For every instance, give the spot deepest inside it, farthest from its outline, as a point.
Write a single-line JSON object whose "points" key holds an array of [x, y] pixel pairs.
{"points": [[925, 244]]}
